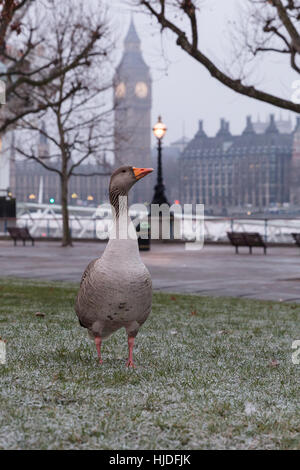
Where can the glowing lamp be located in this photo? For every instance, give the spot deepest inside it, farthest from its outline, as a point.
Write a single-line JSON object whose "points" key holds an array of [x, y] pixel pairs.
{"points": [[159, 129]]}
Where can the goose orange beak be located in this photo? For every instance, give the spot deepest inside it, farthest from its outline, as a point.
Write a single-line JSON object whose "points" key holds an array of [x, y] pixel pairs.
{"points": [[141, 172]]}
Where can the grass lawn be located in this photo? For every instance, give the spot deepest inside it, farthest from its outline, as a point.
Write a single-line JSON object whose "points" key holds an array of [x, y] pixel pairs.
{"points": [[211, 373]]}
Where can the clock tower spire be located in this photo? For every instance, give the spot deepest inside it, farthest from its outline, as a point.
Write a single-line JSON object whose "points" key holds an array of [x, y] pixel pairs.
{"points": [[133, 101]]}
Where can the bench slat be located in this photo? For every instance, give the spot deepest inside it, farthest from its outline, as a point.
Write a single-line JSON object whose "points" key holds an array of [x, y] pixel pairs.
{"points": [[249, 239], [23, 234], [296, 237]]}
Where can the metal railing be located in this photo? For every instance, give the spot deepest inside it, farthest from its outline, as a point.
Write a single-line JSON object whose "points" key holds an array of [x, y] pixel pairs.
{"points": [[275, 230]]}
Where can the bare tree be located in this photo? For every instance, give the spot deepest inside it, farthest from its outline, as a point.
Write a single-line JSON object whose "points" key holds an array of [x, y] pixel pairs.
{"points": [[9, 20], [26, 63], [275, 28], [74, 105]]}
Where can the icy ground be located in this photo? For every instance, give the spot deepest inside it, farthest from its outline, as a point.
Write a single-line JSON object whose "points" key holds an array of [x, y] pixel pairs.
{"points": [[211, 373]]}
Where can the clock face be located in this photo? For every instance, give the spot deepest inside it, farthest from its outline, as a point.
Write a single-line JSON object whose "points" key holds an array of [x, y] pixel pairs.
{"points": [[121, 90], [141, 90]]}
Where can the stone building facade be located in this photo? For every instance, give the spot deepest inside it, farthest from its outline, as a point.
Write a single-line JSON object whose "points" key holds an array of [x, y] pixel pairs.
{"points": [[294, 182], [230, 173]]}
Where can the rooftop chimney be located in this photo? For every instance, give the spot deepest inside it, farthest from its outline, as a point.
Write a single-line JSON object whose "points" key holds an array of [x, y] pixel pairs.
{"points": [[272, 129], [249, 126], [201, 132], [224, 128]]}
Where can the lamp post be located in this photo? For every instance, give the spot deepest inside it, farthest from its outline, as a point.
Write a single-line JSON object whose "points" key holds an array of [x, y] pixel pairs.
{"points": [[159, 197]]}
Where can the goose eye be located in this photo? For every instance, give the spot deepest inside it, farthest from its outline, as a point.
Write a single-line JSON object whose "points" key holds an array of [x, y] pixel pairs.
{"points": [[123, 171]]}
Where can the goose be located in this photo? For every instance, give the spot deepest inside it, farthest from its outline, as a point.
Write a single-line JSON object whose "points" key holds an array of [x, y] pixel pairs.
{"points": [[116, 289]]}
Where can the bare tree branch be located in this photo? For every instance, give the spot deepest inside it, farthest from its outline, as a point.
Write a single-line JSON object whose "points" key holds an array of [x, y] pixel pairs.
{"points": [[165, 17], [8, 10], [78, 126]]}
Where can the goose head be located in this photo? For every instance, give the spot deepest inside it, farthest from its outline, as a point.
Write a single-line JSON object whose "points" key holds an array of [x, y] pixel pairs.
{"points": [[124, 178]]}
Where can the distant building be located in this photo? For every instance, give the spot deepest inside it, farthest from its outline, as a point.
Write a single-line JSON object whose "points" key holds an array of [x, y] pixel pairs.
{"points": [[294, 182], [171, 155], [133, 101], [31, 182], [180, 144], [231, 173], [284, 126]]}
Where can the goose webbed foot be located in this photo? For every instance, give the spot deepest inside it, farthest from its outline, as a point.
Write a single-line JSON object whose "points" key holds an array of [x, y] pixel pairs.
{"points": [[130, 362], [98, 342]]}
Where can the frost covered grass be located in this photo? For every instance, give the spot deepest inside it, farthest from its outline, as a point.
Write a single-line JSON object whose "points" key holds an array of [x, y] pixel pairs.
{"points": [[212, 373]]}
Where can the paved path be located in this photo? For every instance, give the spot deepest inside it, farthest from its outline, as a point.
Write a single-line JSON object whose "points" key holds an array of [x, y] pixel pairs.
{"points": [[215, 270]]}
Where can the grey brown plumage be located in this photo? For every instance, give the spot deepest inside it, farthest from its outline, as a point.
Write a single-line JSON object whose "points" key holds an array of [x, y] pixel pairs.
{"points": [[116, 289]]}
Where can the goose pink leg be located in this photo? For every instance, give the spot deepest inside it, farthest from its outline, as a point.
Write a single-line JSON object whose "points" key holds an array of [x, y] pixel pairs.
{"points": [[130, 362], [98, 342]]}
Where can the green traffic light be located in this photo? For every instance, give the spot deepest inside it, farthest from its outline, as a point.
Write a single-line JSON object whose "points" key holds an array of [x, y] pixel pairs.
{"points": [[52, 200]]}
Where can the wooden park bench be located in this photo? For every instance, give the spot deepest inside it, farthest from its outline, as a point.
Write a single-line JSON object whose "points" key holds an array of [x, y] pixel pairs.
{"points": [[249, 239], [296, 237], [20, 234]]}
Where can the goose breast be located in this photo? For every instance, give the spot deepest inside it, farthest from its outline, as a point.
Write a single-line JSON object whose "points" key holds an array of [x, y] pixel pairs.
{"points": [[114, 295]]}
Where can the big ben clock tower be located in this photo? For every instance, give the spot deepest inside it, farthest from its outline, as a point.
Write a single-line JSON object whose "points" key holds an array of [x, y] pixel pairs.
{"points": [[132, 97]]}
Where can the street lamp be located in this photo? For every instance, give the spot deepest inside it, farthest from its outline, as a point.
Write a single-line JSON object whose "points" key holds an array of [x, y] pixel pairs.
{"points": [[159, 197]]}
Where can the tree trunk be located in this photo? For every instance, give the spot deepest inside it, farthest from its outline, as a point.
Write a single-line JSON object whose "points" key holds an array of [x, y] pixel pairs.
{"points": [[66, 237]]}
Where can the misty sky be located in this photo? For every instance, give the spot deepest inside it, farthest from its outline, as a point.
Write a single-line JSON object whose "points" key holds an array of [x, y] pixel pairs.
{"points": [[183, 91]]}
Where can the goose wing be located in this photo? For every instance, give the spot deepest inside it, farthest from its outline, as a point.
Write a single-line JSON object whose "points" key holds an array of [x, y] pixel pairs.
{"points": [[87, 271], [84, 298]]}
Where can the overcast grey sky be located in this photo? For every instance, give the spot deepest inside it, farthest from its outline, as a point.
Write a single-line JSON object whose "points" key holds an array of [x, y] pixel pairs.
{"points": [[183, 91]]}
